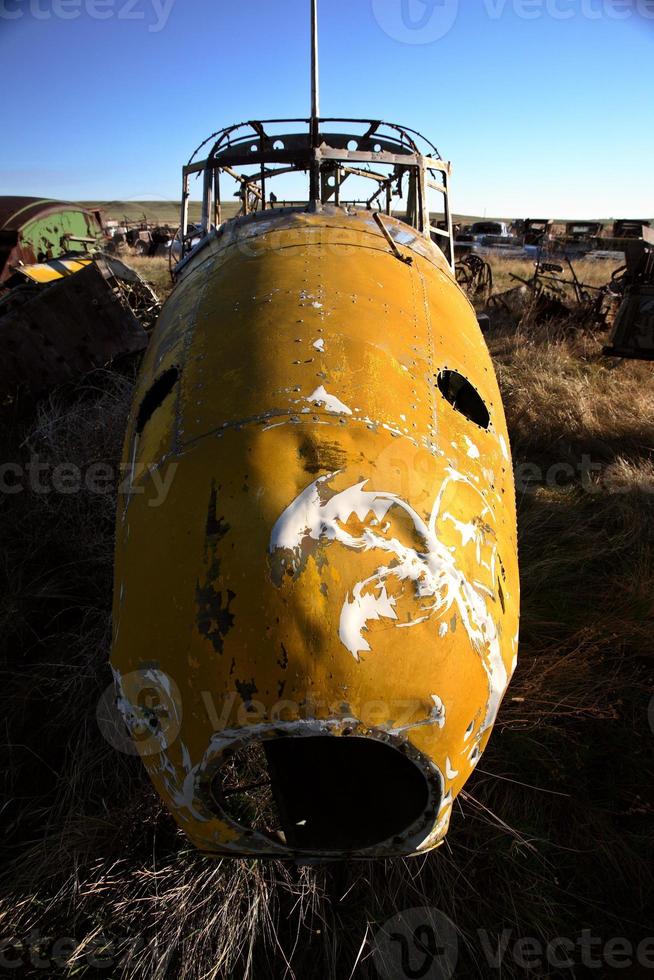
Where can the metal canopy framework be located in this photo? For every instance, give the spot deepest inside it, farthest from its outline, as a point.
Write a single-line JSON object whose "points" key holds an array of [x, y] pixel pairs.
{"points": [[398, 162]]}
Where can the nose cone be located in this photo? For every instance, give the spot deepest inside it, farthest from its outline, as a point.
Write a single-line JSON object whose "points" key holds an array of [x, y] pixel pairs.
{"points": [[316, 578]]}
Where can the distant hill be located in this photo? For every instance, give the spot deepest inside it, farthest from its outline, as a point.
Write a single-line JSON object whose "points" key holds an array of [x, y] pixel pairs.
{"points": [[167, 212], [154, 212]]}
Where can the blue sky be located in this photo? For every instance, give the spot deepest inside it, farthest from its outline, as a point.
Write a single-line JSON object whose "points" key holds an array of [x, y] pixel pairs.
{"points": [[543, 106]]}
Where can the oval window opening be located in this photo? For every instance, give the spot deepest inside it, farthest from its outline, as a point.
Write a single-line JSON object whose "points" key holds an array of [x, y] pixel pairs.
{"points": [[461, 395], [157, 394]]}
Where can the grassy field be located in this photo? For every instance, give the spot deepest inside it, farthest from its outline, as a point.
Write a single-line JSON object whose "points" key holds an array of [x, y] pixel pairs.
{"points": [[553, 834], [155, 212]]}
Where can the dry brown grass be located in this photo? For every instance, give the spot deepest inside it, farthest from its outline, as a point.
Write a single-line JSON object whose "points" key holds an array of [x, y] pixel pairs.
{"points": [[554, 831], [154, 270], [565, 400]]}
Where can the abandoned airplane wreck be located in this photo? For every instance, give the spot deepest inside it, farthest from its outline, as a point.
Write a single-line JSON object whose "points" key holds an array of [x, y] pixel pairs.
{"points": [[314, 630]]}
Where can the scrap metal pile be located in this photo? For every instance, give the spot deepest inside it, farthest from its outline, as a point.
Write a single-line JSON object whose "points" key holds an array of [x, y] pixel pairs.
{"points": [[66, 307], [555, 290], [633, 334], [143, 238], [475, 276], [529, 237], [624, 304]]}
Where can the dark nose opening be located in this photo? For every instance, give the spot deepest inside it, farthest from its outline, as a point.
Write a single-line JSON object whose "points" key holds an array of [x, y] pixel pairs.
{"points": [[323, 793]]}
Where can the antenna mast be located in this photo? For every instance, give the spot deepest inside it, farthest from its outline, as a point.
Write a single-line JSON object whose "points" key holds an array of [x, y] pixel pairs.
{"points": [[315, 83], [314, 190]]}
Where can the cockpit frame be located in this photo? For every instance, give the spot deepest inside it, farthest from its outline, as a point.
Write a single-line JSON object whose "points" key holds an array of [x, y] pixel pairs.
{"points": [[398, 161]]}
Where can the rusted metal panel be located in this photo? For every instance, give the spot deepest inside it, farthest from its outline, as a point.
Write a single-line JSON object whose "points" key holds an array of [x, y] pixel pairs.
{"points": [[633, 334], [52, 333], [579, 237], [535, 231], [629, 227], [45, 272], [33, 229], [583, 230], [475, 276]]}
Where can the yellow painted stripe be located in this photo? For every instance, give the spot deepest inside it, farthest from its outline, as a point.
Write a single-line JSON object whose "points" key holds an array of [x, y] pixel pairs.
{"points": [[50, 271]]}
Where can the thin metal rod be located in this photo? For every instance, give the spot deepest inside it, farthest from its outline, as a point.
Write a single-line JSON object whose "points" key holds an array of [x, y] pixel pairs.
{"points": [[314, 174], [391, 241], [315, 81]]}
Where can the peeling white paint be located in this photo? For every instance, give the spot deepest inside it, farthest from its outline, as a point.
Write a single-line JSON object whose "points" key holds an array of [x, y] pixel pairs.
{"points": [[468, 532], [438, 584], [446, 802], [393, 431], [450, 771], [436, 717], [362, 609], [438, 710], [182, 790], [322, 397], [473, 451]]}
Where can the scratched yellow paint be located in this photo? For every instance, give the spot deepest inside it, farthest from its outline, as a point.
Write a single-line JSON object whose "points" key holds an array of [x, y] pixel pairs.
{"points": [[44, 272], [306, 357]]}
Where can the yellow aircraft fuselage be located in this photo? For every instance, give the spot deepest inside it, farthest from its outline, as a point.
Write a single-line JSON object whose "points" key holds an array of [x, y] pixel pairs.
{"points": [[317, 561]]}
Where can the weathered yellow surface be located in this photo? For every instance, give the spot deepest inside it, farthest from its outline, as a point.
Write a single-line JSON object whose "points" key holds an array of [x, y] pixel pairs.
{"points": [[55, 269], [315, 533]]}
